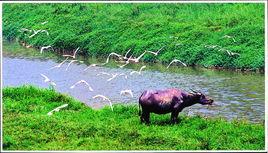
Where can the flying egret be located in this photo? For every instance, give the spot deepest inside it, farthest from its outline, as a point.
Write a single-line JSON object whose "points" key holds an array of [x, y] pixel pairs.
{"points": [[57, 109], [48, 80], [74, 54], [136, 60], [72, 61], [38, 31], [113, 76], [35, 32], [24, 29], [104, 98], [176, 60], [45, 31], [44, 48], [59, 65], [126, 63], [125, 57], [232, 53], [44, 22], [113, 53], [229, 52], [157, 52], [126, 92], [229, 37], [212, 46], [138, 72], [84, 82], [91, 65], [103, 73]]}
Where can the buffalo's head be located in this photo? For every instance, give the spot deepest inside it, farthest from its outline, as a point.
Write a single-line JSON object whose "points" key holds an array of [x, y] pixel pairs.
{"points": [[202, 99]]}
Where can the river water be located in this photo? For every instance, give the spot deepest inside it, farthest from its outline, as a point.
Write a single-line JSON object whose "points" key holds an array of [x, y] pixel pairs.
{"points": [[236, 95]]}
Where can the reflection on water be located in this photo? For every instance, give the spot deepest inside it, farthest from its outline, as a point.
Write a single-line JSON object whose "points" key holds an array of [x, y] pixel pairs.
{"points": [[236, 95]]}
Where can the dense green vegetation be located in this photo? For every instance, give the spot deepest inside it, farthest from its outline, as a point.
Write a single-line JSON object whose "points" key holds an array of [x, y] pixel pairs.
{"points": [[26, 126], [187, 30]]}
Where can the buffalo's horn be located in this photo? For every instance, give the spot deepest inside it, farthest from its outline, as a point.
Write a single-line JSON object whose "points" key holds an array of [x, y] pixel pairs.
{"points": [[193, 91], [199, 91], [196, 92]]}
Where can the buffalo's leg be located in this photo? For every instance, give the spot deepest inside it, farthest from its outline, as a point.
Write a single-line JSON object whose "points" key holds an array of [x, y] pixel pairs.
{"points": [[174, 117], [145, 117]]}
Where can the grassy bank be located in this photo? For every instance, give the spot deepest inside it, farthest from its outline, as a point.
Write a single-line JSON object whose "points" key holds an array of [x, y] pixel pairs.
{"points": [[26, 126], [189, 31], [14, 49]]}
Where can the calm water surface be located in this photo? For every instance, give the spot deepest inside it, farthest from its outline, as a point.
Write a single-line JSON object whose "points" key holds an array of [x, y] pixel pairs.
{"points": [[236, 95]]}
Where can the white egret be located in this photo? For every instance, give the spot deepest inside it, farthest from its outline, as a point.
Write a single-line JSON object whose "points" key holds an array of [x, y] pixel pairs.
{"points": [[44, 22], [105, 99], [126, 92], [45, 48], [125, 57], [24, 29], [212, 46], [136, 60], [59, 65], [232, 53], [84, 82], [57, 109], [113, 76], [103, 73], [229, 52], [72, 61], [107, 60], [176, 60], [138, 72], [126, 63], [91, 65], [74, 54], [157, 52], [38, 31], [48, 80], [229, 37]]}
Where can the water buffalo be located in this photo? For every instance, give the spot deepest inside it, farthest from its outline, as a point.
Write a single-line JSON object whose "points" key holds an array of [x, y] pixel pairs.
{"points": [[170, 100]]}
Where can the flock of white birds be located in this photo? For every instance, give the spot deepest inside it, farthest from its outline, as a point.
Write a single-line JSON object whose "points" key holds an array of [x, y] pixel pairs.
{"points": [[125, 60]]}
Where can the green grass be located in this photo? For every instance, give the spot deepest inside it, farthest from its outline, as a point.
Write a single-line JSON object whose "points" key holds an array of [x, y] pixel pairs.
{"points": [[26, 126], [184, 29]]}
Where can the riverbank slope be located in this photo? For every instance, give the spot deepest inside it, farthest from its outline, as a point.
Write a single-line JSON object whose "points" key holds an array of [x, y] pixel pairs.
{"points": [[26, 126], [197, 34]]}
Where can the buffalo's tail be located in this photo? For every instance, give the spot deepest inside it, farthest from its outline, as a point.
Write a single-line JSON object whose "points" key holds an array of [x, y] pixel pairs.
{"points": [[140, 104], [139, 109]]}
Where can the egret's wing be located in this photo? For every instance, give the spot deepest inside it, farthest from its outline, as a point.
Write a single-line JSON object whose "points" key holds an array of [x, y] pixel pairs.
{"points": [[143, 67], [141, 55], [76, 51], [111, 78], [131, 73], [152, 52], [127, 53], [170, 63], [67, 55], [45, 77], [41, 50], [53, 83]]}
